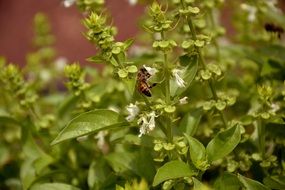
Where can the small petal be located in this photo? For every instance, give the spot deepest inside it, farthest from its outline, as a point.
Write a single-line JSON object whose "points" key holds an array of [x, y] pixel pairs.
{"points": [[133, 112], [183, 100], [147, 123], [133, 2], [274, 107], [150, 70], [176, 73], [143, 122], [151, 123], [68, 3], [101, 138], [45, 75], [60, 63], [251, 11], [272, 4]]}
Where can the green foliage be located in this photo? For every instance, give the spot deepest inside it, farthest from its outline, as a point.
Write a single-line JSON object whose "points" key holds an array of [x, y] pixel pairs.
{"points": [[181, 110], [172, 170]]}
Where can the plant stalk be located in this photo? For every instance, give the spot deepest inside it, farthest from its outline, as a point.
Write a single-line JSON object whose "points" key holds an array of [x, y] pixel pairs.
{"points": [[166, 73], [213, 24], [261, 137], [203, 64], [167, 91]]}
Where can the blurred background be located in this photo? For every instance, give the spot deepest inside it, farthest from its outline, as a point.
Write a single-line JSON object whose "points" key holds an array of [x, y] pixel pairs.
{"points": [[16, 26]]}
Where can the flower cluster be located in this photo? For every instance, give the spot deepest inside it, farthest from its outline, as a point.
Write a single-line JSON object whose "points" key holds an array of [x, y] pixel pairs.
{"points": [[146, 121], [14, 83], [75, 79]]}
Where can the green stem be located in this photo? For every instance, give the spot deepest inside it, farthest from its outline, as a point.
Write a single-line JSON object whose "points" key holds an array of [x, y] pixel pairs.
{"points": [[169, 130], [166, 73], [167, 92], [213, 24], [203, 64], [261, 137], [118, 61]]}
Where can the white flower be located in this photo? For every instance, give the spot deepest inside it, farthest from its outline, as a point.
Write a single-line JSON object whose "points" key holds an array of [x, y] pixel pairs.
{"points": [[147, 123], [137, 50], [133, 112], [101, 141], [150, 70], [251, 11], [45, 75], [68, 3], [272, 5], [101, 138], [133, 2], [151, 123], [143, 129], [274, 107], [177, 75], [183, 100], [60, 63]]}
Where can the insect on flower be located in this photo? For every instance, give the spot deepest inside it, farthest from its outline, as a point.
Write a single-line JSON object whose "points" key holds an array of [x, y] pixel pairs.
{"points": [[142, 84], [269, 27]]}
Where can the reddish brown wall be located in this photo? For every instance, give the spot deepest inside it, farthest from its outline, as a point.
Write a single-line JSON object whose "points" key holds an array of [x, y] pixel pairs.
{"points": [[16, 17]]}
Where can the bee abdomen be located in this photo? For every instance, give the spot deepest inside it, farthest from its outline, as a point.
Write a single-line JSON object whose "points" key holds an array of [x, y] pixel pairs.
{"points": [[146, 92]]}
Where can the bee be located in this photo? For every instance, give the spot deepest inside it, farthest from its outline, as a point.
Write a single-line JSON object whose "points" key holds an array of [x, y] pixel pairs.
{"points": [[142, 84], [269, 27]]}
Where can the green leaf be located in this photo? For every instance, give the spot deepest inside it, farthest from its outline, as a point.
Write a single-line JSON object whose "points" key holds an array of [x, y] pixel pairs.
{"points": [[144, 159], [120, 161], [197, 153], [221, 105], [185, 60], [32, 152], [123, 73], [4, 155], [199, 43], [27, 173], [113, 61], [163, 43], [223, 143], [194, 10], [251, 184], [53, 186], [227, 181], [96, 59], [275, 182], [87, 123], [42, 162], [4, 120], [100, 175], [172, 170], [190, 122], [187, 44], [132, 69], [206, 74], [128, 43], [67, 105], [198, 185], [116, 50], [170, 109]]}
